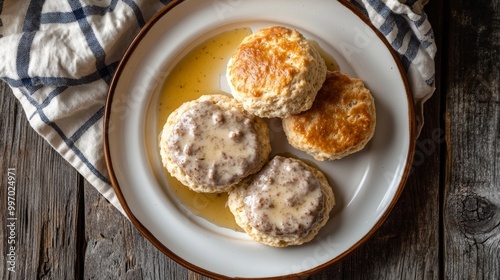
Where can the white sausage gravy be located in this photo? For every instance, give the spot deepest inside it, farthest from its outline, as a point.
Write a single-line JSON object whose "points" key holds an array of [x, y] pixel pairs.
{"points": [[284, 199], [215, 147]]}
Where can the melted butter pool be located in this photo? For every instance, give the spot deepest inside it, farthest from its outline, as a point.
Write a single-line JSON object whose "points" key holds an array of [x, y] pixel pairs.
{"points": [[199, 73]]}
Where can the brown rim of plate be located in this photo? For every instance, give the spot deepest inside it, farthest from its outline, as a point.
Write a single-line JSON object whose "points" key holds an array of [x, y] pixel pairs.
{"points": [[149, 236]]}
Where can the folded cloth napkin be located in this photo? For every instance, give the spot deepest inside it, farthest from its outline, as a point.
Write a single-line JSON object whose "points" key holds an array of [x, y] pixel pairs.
{"points": [[406, 27], [58, 56]]}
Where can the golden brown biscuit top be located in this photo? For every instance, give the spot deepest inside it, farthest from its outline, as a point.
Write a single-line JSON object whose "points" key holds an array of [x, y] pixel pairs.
{"points": [[268, 59], [342, 115]]}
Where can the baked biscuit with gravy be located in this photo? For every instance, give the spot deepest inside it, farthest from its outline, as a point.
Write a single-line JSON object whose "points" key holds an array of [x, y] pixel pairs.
{"points": [[286, 203], [341, 121], [275, 72], [212, 143]]}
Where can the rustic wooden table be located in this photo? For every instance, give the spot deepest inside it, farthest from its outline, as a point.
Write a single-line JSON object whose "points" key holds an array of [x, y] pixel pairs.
{"points": [[446, 224]]}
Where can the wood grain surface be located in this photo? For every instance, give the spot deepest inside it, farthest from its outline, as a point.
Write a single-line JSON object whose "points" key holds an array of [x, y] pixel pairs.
{"points": [[446, 224], [471, 206]]}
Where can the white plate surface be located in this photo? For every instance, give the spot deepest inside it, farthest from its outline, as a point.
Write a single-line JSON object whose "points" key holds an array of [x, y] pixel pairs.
{"points": [[366, 184]]}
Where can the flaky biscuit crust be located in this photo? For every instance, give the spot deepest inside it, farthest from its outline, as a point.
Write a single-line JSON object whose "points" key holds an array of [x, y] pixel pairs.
{"points": [[341, 121], [275, 72]]}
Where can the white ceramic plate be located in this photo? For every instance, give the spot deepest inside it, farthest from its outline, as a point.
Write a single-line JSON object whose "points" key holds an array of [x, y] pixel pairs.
{"points": [[367, 184]]}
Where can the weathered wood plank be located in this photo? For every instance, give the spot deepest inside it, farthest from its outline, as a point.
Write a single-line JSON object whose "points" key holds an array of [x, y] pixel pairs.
{"points": [[114, 249], [46, 200], [472, 194]]}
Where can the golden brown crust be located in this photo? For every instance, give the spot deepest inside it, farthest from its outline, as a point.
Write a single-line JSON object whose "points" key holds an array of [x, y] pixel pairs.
{"points": [[340, 122], [264, 62], [275, 72]]}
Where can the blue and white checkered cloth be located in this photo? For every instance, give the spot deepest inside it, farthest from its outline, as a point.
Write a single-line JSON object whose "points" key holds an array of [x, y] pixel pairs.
{"points": [[58, 56]]}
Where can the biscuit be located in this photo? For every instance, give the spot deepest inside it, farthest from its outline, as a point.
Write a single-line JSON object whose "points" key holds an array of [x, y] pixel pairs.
{"points": [[286, 203], [341, 121], [212, 143], [275, 72]]}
